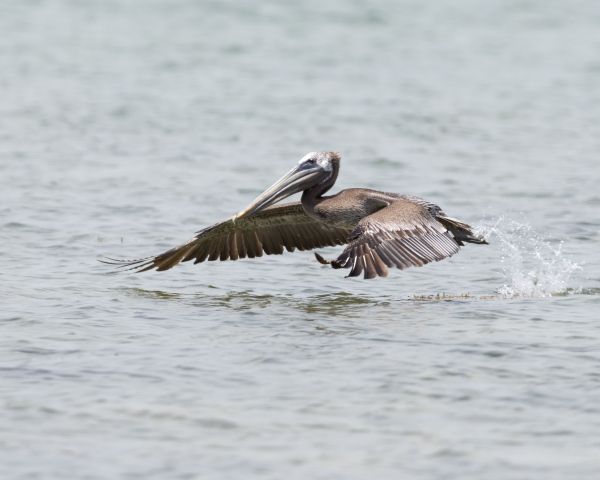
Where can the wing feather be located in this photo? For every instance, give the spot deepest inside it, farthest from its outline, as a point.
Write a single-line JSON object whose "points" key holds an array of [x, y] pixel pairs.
{"points": [[403, 234], [269, 231]]}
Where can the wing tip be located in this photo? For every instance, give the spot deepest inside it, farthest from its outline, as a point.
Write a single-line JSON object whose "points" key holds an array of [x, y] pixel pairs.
{"points": [[121, 265]]}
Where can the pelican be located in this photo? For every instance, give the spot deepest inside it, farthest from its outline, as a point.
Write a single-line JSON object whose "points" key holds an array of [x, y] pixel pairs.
{"points": [[380, 230]]}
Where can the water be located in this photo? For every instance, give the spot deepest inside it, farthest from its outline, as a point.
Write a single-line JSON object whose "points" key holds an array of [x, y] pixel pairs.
{"points": [[127, 126]]}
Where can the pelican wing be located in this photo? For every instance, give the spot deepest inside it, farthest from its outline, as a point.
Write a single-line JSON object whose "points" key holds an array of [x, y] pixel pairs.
{"points": [[269, 231], [403, 234]]}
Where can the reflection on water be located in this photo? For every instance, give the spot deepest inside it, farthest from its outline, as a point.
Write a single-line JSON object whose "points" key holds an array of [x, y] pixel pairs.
{"points": [[338, 303], [153, 294]]}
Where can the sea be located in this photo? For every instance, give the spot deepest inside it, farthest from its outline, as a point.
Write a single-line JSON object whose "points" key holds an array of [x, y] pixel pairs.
{"points": [[128, 125]]}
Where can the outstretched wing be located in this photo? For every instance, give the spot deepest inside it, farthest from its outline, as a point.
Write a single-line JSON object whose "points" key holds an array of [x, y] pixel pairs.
{"points": [[403, 234], [269, 231]]}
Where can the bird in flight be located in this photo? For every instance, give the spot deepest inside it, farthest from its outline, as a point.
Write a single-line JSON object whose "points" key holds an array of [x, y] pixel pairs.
{"points": [[379, 230]]}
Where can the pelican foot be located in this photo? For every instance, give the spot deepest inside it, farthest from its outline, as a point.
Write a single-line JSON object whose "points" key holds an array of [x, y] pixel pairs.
{"points": [[321, 260], [334, 263]]}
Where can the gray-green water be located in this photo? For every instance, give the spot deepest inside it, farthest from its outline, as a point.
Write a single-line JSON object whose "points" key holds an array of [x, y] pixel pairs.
{"points": [[127, 126]]}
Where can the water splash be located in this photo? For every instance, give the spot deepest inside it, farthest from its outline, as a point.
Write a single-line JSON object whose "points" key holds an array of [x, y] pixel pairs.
{"points": [[532, 266]]}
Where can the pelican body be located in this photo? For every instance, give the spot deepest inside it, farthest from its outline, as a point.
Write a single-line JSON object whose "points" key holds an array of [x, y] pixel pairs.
{"points": [[380, 230]]}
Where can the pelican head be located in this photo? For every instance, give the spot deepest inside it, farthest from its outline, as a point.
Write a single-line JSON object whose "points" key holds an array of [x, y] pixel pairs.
{"points": [[313, 169]]}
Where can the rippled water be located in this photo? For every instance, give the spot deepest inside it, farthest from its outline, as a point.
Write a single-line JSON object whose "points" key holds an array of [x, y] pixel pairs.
{"points": [[127, 126]]}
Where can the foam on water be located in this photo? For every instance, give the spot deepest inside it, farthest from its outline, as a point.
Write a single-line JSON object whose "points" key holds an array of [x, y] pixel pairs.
{"points": [[533, 267]]}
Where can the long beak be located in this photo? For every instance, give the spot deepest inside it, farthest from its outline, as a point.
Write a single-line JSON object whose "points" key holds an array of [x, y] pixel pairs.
{"points": [[296, 180]]}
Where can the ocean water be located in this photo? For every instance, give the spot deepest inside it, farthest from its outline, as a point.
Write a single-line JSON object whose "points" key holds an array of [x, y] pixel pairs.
{"points": [[127, 126]]}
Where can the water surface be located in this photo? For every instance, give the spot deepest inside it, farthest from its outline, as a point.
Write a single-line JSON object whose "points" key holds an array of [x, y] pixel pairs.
{"points": [[127, 126]]}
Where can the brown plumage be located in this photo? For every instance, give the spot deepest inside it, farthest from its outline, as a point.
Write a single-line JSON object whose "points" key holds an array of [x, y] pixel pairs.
{"points": [[380, 230], [270, 231]]}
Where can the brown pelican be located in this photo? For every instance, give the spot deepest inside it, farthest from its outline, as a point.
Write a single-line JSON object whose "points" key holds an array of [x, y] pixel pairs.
{"points": [[379, 229]]}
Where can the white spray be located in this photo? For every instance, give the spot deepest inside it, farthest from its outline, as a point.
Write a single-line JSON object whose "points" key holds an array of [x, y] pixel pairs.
{"points": [[532, 266]]}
